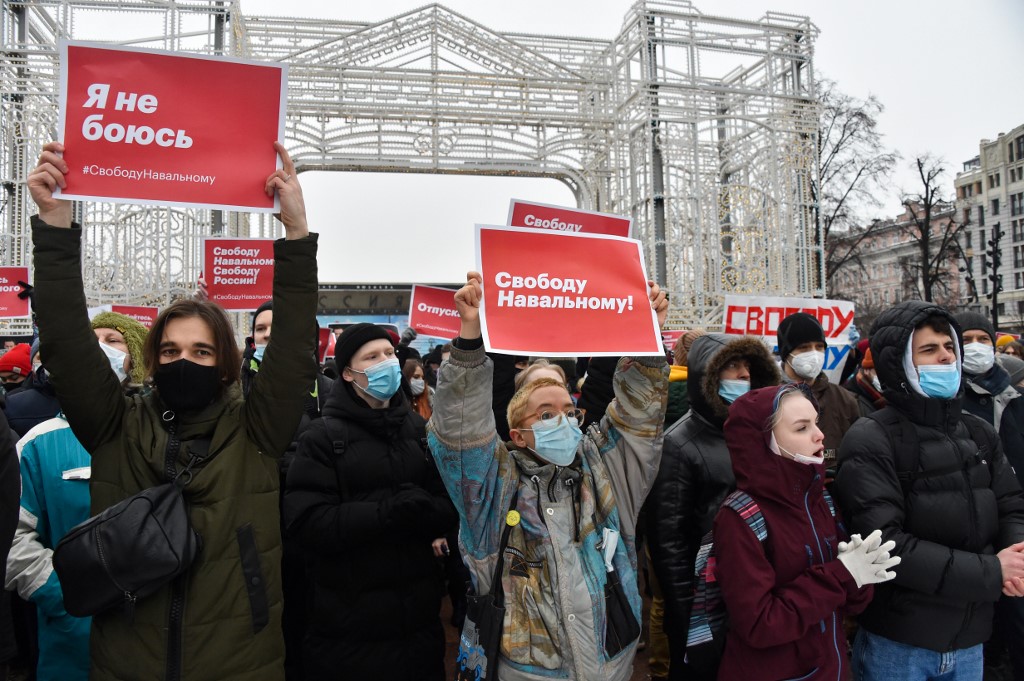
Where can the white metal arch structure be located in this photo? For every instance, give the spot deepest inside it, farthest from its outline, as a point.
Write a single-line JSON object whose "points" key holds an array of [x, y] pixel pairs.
{"points": [[702, 128]]}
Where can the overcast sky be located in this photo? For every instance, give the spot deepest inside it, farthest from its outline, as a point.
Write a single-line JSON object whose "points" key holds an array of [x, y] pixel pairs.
{"points": [[949, 74]]}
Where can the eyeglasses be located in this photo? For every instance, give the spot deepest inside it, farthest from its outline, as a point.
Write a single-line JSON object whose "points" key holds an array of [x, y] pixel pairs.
{"points": [[572, 413]]}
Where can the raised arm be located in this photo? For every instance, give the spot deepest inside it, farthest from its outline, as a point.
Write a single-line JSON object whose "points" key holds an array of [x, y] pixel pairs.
{"points": [[89, 393], [274, 405], [634, 423], [474, 465]]}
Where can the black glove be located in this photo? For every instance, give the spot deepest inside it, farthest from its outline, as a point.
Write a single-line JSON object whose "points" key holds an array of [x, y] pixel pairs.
{"points": [[408, 508]]}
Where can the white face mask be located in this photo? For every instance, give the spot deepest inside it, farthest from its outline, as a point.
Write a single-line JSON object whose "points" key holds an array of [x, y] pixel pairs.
{"points": [[808, 364], [418, 385], [978, 358], [773, 445], [116, 359]]}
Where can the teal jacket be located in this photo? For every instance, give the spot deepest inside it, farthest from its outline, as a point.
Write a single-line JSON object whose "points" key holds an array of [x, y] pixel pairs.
{"points": [[54, 498]]}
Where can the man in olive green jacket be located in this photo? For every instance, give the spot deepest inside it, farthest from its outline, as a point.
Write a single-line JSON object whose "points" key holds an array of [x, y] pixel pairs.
{"points": [[222, 619]]}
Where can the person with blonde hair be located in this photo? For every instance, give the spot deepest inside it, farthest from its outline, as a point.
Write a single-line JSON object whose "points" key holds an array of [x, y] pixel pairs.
{"points": [[575, 498]]}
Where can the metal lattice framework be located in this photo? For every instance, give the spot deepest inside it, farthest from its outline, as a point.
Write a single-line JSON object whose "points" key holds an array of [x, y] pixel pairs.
{"points": [[702, 128]]}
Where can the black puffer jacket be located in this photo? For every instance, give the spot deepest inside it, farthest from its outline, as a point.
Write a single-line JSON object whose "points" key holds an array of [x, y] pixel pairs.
{"points": [[949, 527], [990, 396], [695, 475], [365, 500], [31, 404]]}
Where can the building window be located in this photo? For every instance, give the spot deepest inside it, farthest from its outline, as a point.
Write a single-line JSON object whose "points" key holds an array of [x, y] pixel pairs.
{"points": [[993, 181], [995, 206], [984, 285], [981, 220], [968, 233], [1020, 147], [1016, 281], [1017, 204]]}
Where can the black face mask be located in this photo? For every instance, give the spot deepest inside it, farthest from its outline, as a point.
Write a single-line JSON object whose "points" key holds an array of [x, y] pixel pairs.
{"points": [[187, 386], [8, 387]]}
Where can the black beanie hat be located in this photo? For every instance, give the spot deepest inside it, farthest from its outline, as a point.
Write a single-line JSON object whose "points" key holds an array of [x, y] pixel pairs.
{"points": [[975, 320], [797, 329], [269, 305], [355, 337]]}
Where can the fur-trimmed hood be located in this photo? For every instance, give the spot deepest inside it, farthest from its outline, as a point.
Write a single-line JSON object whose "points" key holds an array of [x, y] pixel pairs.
{"points": [[709, 355]]}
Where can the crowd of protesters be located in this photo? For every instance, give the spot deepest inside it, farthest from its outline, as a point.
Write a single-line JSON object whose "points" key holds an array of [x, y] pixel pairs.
{"points": [[789, 527]]}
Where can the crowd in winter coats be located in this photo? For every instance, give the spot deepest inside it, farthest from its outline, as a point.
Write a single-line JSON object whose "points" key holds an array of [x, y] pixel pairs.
{"points": [[780, 514]]}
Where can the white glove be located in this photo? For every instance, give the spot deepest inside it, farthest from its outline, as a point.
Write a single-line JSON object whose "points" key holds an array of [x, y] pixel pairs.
{"points": [[868, 560]]}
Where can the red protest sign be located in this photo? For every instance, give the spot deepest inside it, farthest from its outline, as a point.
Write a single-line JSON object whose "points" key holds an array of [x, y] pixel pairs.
{"points": [[143, 314], [239, 272], [560, 219], [432, 312], [671, 336], [538, 301], [10, 304], [155, 127]]}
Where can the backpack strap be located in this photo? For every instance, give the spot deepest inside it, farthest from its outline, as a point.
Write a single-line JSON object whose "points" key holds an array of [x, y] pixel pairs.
{"points": [[339, 444], [497, 588], [906, 447], [747, 508], [983, 437]]}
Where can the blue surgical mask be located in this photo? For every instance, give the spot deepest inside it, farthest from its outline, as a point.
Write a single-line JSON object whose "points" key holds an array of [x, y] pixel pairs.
{"points": [[116, 359], [730, 389], [258, 353], [939, 380], [555, 440], [382, 379]]}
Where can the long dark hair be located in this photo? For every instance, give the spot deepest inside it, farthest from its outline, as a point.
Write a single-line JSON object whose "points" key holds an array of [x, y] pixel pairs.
{"points": [[228, 358]]}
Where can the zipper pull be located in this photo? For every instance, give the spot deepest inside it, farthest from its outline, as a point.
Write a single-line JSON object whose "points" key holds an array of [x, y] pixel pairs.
{"points": [[129, 606]]}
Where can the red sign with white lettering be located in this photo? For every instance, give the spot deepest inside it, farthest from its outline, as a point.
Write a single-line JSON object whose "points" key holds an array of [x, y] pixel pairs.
{"points": [[560, 219], [239, 272], [143, 314], [11, 305], [156, 127], [539, 302], [432, 312]]}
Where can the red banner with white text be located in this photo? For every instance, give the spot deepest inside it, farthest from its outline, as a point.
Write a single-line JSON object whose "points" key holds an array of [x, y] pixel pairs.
{"points": [[561, 219], [432, 312], [539, 302], [239, 272], [166, 128]]}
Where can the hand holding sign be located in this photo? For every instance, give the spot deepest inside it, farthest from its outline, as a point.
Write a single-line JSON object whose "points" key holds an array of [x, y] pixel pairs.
{"points": [[293, 206], [659, 302], [467, 302], [44, 180]]}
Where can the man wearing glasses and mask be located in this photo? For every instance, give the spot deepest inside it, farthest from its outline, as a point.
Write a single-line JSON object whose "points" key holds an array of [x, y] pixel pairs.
{"points": [[570, 499]]}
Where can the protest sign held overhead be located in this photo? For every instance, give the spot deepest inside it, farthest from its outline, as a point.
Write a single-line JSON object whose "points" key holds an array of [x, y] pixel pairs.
{"points": [[564, 294], [561, 219], [761, 315], [166, 128], [432, 312], [239, 272], [11, 305]]}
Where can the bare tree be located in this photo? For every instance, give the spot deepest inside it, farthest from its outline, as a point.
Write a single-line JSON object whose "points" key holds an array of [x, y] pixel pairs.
{"points": [[853, 166], [932, 227]]}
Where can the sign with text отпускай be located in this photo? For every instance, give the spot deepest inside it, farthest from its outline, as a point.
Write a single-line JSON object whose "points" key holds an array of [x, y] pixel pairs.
{"points": [[432, 312]]}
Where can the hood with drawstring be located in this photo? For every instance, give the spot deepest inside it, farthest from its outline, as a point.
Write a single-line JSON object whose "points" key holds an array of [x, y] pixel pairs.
{"points": [[961, 507]]}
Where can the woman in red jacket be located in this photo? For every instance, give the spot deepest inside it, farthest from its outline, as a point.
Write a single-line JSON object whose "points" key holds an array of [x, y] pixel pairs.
{"points": [[786, 596]]}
